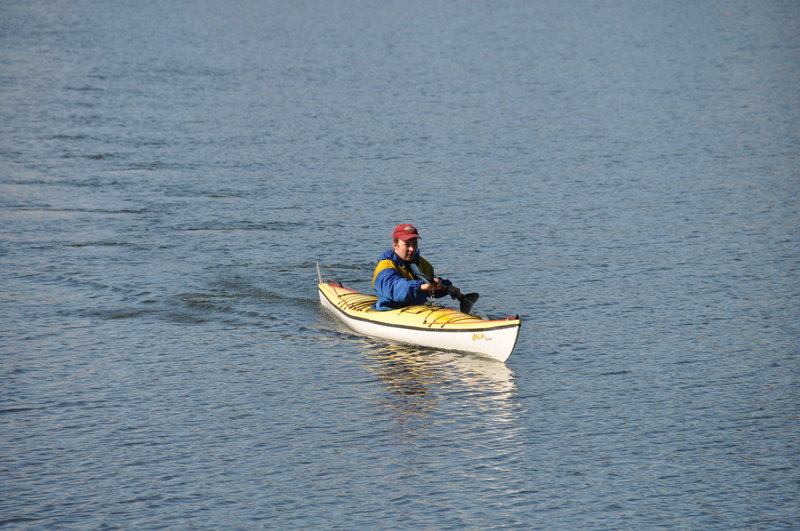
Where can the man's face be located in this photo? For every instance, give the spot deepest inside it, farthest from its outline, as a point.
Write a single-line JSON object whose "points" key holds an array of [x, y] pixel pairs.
{"points": [[405, 249]]}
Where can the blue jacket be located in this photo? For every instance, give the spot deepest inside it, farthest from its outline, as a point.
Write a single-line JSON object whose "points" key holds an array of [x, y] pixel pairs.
{"points": [[395, 284]]}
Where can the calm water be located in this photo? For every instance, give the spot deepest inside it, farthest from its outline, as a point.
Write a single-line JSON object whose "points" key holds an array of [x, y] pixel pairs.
{"points": [[623, 175]]}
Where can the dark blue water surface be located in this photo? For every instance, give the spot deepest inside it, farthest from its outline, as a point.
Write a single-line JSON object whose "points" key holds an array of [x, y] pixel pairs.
{"points": [[624, 175]]}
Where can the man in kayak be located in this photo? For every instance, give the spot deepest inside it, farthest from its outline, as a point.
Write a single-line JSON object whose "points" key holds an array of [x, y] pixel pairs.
{"points": [[403, 278]]}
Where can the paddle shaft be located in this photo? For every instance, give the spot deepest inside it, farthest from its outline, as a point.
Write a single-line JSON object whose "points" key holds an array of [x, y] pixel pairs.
{"points": [[418, 273], [466, 300]]}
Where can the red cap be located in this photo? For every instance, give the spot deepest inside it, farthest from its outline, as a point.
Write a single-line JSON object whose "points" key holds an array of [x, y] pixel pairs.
{"points": [[405, 231]]}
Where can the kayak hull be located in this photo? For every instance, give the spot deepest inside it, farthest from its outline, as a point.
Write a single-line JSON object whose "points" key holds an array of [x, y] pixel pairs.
{"points": [[426, 326]]}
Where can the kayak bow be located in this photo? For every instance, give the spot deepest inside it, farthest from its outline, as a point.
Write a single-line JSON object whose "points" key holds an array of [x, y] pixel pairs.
{"points": [[427, 326]]}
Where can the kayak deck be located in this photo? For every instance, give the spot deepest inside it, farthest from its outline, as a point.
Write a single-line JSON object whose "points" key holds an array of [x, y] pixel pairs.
{"points": [[430, 326], [429, 315]]}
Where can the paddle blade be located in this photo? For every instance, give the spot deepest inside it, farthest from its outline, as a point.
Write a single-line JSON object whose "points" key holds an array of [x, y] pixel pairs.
{"points": [[467, 301]]}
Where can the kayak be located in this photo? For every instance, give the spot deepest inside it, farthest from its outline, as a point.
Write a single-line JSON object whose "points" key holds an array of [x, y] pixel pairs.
{"points": [[421, 325]]}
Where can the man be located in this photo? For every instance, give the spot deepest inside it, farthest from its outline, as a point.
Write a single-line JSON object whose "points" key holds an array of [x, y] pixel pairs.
{"points": [[394, 279]]}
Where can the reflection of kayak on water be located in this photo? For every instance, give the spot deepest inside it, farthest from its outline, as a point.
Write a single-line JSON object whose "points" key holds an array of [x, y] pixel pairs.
{"points": [[487, 379], [420, 379], [427, 326]]}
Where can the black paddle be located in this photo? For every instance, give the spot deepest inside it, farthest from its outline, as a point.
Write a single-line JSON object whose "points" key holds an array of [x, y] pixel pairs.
{"points": [[465, 301]]}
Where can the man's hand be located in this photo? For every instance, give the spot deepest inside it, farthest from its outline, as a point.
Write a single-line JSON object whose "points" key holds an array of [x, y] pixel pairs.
{"points": [[437, 285]]}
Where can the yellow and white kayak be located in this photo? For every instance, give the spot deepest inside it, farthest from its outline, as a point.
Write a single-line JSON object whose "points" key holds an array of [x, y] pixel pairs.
{"points": [[427, 326]]}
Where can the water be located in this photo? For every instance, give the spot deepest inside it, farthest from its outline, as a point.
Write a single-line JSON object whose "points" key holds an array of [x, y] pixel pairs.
{"points": [[625, 177]]}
